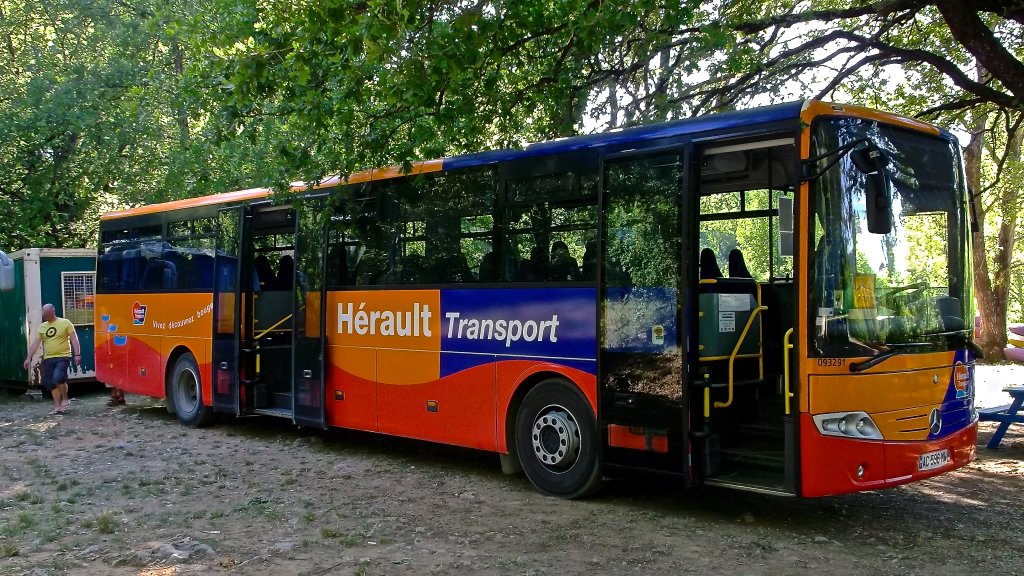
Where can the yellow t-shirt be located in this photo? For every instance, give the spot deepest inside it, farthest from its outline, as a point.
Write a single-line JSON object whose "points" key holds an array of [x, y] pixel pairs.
{"points": [[56, 337]]}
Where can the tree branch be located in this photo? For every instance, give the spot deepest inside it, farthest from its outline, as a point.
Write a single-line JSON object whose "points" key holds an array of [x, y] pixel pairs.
{"points": [[978, 39]]}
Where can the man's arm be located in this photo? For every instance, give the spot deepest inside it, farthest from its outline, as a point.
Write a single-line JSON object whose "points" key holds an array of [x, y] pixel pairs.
{"points": [[76, 347], [31, 351]]}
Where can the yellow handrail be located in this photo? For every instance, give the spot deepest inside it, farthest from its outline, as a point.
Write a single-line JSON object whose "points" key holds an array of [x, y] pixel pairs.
{"points": [[786, 347], [279, 322], [735, 351]]}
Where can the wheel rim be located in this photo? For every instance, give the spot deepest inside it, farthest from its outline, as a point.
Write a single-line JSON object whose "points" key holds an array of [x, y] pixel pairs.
{"points": [[555, 438], [188, 390]]}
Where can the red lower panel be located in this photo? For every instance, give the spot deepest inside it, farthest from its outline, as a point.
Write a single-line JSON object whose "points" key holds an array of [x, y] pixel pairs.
{"points": [[829, 464], [458, 409], [637, 438], [467, 408], [351, 400]]}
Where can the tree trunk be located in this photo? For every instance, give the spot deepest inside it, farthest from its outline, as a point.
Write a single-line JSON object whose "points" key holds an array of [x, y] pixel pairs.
{"points": [[984, 295]]}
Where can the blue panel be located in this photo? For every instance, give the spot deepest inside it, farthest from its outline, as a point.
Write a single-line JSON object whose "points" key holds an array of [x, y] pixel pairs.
{"points": [[958, 405], [740, 118], [529, 322]]}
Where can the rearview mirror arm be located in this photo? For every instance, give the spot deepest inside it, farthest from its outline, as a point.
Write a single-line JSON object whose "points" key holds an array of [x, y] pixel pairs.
{"points": [[808, 165]]}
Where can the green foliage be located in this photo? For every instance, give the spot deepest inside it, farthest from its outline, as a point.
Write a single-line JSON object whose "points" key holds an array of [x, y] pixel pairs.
{"points": [[106, 104]]}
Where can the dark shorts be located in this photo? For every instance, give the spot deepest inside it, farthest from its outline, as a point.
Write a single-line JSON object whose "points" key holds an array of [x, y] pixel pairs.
{"points": [[55, 372]]}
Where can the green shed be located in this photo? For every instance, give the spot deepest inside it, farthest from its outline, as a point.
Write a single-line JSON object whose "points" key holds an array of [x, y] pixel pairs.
{"points": [[65, 278]]}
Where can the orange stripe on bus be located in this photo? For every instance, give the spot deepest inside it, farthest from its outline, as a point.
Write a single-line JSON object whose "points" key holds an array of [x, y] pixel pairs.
{"points": [[814, 108], [296, 187]]}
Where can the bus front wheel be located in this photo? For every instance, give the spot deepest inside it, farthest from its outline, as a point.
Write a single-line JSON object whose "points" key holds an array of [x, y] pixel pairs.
{"points": [[187, 393], [556, 439]]}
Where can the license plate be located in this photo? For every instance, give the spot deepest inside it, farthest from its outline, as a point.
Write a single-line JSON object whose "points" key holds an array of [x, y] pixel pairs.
{"points": [[933, 460]]}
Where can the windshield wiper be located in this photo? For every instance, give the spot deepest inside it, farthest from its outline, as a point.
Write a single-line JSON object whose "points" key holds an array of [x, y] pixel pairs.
{"points": [[893, 350], [896, 349], [965, 340]]}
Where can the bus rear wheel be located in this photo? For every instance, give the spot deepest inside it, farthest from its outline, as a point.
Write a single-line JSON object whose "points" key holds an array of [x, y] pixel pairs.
{"points": [[187, 393], [556, 439]]}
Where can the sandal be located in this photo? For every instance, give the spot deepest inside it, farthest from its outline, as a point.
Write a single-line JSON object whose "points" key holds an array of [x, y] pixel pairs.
{"points": [[55, 412], [115, 401]]}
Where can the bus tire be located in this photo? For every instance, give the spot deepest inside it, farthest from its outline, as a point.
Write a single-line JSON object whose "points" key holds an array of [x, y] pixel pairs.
{"points": [[557, 441], [187, 393]]}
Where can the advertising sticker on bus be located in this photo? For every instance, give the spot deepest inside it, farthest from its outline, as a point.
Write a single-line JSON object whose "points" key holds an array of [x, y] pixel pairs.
{"points": [[961, 378], [138, 314]]}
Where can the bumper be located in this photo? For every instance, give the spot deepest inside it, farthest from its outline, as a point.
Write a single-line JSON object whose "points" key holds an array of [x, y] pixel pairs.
{"points": [[829, 464]]}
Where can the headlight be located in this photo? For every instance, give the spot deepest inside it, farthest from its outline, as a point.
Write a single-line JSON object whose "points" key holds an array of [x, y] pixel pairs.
{"points": [[848, 425]]}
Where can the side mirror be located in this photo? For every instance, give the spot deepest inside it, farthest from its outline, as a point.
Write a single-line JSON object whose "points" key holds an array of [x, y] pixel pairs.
{"points": [[6, 273], [878, 204]]}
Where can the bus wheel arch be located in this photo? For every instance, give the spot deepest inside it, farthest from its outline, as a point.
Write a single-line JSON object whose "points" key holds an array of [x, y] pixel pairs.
{"points": [[183, 385], [551, 429], [172, 358]]}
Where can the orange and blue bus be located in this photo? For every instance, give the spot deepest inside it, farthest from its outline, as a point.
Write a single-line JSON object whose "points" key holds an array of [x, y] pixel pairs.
{"points": [[775, 299]]}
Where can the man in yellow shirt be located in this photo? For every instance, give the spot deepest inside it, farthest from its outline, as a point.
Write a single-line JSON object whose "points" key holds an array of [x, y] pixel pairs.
{"points": [[58, 338]]}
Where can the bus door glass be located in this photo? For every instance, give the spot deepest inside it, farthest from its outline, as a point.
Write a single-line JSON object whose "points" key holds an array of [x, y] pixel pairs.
{"points": [[642, 389], [227, 310], [308, 326]]}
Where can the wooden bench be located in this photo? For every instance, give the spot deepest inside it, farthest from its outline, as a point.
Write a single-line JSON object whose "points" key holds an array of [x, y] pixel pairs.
{"points": [[1005, 415]]}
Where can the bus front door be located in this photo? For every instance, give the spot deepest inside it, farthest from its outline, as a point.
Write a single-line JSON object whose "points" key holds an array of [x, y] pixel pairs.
{"points": [[227, 309], [309, 301], [643, 405]]}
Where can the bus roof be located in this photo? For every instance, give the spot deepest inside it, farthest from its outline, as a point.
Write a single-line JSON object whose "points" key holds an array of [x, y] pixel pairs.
{"points": [[722, 121]]}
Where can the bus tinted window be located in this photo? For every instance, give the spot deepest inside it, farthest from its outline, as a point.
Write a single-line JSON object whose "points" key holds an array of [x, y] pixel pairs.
{"points": [[551, 226], [434, 228], [443, 227], [190, 251], [137, 266], [356, 248]]}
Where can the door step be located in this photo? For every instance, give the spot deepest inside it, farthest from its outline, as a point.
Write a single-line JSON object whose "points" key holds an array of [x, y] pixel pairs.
{"points": [[278, 412], [770, 460], [750, 484]]}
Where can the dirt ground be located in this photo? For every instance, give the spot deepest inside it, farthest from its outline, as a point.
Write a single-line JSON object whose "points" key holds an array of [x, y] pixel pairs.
{"points": [[129, 491]]}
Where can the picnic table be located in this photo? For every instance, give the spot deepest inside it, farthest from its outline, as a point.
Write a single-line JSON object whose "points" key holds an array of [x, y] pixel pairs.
{"points": [[1005, 415]]}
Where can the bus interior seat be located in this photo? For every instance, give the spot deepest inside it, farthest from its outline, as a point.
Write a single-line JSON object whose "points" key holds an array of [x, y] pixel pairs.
{"points": [[131, 273], [182, 266], [488, 270], [725, 306], [534, 268], [709, 265], [337, 266], [159, 274], [737, 264], [285, 273], [110, 267], [589, 269], [263, 271], [455, 268], [201, 271]]}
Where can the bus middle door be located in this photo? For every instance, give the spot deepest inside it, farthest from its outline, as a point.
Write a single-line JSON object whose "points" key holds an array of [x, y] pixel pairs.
{"points": [[643, 403], [228, 302], [308, 327]]}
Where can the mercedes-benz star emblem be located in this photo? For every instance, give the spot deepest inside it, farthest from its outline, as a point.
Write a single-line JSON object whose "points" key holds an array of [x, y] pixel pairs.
{"points": [[935, 422]]}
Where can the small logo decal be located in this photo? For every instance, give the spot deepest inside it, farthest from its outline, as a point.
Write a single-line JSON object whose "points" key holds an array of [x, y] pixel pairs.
{"points": [[138, 314], [935, 422], [961, 379]]}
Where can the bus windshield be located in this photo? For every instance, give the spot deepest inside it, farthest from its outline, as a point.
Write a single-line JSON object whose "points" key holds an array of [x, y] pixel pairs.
{"points": [[872, 291]]}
